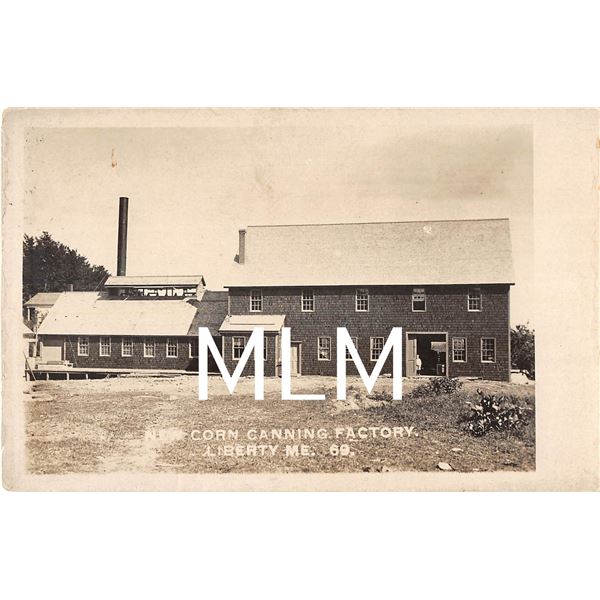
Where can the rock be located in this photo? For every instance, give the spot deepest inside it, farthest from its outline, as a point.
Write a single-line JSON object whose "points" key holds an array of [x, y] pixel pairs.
{"points": [[457, 449], [444, 466], [385, 469]]}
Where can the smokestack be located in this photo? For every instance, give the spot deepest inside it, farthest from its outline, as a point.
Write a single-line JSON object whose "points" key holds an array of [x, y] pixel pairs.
{"points": [[122, 242], [242, 247]]}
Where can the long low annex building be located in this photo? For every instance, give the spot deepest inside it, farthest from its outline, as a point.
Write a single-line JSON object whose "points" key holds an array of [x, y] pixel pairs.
{"points": [[137, 323]]}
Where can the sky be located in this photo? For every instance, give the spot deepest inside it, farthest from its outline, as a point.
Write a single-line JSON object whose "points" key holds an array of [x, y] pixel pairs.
{"points": [[192, 188]]}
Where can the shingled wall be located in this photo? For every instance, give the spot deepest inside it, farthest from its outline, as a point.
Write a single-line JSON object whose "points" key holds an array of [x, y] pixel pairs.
{"points": [[389, 306]]}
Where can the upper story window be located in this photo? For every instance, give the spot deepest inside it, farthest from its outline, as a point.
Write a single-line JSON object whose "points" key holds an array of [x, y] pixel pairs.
{"points": [[376, 348], [324, 348], [104, 346], [459, 349], [237, 347], [256, 301], [488, 350], [355, 342], [308, 300], [474, 300], [172, 348], [418, 300], [126, 346], [149, 348], [83, 346], [362, 300]]}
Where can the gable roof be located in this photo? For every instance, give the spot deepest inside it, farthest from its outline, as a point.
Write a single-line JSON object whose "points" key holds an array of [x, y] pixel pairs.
{"points": [[405, 253], [93, 313], [154, 280], [43, 299]]}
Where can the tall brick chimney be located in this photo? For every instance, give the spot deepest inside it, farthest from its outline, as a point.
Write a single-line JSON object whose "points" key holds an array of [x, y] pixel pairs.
{"points": [[122, 240]]}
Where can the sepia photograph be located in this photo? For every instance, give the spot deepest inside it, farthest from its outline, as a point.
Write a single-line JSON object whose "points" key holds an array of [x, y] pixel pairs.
{"points": [[137, 239]]}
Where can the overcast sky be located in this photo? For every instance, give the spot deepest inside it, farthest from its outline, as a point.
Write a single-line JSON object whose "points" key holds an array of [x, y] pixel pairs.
{"points": [[191, 189]]}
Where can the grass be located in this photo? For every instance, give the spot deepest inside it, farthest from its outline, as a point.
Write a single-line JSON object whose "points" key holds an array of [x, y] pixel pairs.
{"points": [[146, 425]]}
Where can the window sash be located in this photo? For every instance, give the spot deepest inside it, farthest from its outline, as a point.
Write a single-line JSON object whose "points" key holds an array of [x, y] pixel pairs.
{"points": [[361, 300], [149, 348], [488, 350], [355, 342], [459, 349], [238, 344], [83, 346], [474, 301], [308, 301], [324, 348], [172, 348], [126, 347], [105, 346], [376, 348], [419, 297], [256, 301]]}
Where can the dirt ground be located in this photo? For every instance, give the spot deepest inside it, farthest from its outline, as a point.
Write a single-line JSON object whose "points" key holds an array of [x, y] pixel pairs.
{"points": [[146, 424]]}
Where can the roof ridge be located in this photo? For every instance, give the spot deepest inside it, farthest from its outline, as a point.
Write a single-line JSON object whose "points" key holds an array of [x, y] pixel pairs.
{"points": [[379, 222]]}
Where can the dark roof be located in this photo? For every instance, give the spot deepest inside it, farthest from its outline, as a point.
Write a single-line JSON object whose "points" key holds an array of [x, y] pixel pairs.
{"points": [[406, 253], [211, 311], [43, 299]]}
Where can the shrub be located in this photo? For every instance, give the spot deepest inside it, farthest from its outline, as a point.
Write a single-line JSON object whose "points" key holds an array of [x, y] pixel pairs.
{"points": [[493, 414], [437, 386]]}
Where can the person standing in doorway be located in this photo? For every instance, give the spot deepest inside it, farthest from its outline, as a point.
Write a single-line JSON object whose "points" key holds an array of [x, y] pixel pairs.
{"points": [[418, 364]]}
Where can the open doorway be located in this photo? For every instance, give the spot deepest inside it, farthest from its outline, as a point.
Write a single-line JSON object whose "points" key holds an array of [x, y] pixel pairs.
{"points": [[426, 354]]}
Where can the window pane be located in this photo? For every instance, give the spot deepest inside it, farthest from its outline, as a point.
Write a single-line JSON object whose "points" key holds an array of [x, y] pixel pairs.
{"points": [[308, 301], [355, 341], [362, 300], [239, 343], [376, 347], [256, 300], [418, 300], [324, 348]]}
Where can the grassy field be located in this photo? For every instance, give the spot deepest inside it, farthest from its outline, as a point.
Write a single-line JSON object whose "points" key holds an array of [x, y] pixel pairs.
{"points": [[158, 425]]}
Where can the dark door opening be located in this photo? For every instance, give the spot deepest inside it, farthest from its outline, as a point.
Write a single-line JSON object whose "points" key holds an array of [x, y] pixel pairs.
{"points": [[426, 354]]}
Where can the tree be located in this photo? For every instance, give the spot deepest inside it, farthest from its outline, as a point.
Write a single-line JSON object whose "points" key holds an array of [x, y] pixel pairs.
{"points": [[49, 266], [522, 343]]}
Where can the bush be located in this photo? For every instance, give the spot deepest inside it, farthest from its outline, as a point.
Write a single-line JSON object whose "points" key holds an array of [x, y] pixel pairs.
{"points": [[493, 414], [437, 386]]}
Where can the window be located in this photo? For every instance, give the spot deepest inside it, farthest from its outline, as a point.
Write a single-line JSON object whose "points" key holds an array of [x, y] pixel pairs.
{"points": [[488, 350], [324, 348], [172, 348], [265, 348], [194, 348], [83, 346], [459, 349], [474, 300], [376, 348], [104, 346], [256, 301], [149, 348], [237, 348], [418, 300], [126, 347], [308, 301], [362, 300], [355, 342]]}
